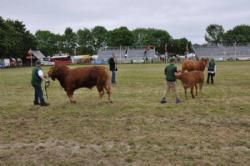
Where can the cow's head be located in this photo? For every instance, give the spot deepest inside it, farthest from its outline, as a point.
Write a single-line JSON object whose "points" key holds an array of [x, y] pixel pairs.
{"points": [[52, 73], [204, 61]]}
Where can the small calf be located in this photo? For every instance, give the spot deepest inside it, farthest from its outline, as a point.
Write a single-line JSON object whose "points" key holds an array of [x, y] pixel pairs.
{"points": [[190, 80]]}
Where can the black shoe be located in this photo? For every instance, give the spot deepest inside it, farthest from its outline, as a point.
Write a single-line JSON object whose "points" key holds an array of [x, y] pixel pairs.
{"points": [[163, 100], [177, 101], [44, 104], [36, 103]]}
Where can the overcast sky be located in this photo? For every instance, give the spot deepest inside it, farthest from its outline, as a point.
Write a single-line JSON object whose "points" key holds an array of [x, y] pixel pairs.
{"points": [[181, 18]]}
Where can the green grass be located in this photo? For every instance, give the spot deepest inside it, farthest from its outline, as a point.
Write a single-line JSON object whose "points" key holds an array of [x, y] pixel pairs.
{"points": [[212, 129]]}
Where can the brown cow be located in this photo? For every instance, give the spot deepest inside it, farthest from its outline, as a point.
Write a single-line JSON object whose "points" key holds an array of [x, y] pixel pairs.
{"points": [[191, 65], [72, 79], [190, 80]]}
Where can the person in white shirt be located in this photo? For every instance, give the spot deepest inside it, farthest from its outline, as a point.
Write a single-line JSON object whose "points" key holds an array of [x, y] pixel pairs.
{"points": [[36, 81]]}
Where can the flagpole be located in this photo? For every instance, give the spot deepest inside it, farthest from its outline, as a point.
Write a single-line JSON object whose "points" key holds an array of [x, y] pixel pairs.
{"points": [[30, 52], [120, 54]]}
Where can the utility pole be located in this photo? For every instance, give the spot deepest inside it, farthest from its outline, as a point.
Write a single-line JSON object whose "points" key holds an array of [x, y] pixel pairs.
{"points": [[166, 52], [235, 51]]}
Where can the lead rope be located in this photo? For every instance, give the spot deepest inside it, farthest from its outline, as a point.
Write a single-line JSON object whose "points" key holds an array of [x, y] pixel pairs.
{"points": [[47, 84]]}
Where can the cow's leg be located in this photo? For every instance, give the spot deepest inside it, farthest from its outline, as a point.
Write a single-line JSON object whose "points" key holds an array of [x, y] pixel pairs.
{"points": [[201, 84], [70, 96], [192, 91], [101, 93], [100, 90], [108, 89], [185, 89], [196, 93]]}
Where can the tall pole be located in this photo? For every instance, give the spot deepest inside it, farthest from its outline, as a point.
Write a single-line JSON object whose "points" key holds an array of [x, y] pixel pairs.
{"points": [[235, 51], [120, 54], [166, 52], [31, 56]]}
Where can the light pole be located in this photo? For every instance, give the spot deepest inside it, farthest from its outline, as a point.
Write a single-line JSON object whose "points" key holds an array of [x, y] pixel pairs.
{"points": [[235, 50], [166, 52]]}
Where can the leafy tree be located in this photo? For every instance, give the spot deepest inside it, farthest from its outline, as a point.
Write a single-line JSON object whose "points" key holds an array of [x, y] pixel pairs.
{"points": [[179, 46], [15, 39], [59, 43], [85, 41], [120, 37], [160, 38], [239, 34], [3, 36], [99, 34], [150, 36], [48, 42], [140, 35], [69, 41], [214, 34]]}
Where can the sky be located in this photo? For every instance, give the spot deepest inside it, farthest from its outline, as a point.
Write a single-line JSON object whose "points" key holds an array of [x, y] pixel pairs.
{"points": [[180, 18]]}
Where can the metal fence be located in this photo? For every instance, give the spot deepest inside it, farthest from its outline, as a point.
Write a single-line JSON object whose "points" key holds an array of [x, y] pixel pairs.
{"points": [[127, 54], [220, 52]]}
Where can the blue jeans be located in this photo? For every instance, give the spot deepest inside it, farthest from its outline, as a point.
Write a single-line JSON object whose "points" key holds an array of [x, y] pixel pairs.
{"points": [[113, 77], [38, 94]]}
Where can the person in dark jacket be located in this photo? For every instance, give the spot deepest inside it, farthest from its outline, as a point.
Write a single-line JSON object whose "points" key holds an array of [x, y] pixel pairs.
{"points": [[113, 68], [170, 72], [36, 82], [211, 70]]}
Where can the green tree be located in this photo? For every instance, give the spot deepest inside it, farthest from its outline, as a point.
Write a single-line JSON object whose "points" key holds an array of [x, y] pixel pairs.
{"points": [[120, 37], [85, 41], [49, 43], [69, 41], [99, 34], [239, 34], [15, 39], [140, 34], [179, 46], [214, 34], [3, 38], [160, 38], [151, 36]]}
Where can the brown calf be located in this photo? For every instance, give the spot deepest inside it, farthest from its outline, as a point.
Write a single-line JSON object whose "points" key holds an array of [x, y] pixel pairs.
{"points": [[190, 80]]}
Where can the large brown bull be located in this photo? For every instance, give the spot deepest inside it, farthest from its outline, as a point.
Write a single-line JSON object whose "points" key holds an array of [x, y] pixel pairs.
{"points": [[72, 79]]}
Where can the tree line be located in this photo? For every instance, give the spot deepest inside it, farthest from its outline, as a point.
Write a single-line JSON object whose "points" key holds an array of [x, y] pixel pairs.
{"points": [[16, 40], [215, 34]]}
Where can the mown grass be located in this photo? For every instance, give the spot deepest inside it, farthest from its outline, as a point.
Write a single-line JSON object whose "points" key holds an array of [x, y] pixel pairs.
{"points": [[212, 129]]}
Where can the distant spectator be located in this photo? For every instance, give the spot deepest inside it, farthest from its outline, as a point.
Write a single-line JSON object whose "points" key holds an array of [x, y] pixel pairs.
{"points": [[126, 54], [211, 70], [113, 68]]}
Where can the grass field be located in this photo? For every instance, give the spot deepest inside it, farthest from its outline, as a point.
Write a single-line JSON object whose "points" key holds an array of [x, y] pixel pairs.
{"points": [[212, 129]]}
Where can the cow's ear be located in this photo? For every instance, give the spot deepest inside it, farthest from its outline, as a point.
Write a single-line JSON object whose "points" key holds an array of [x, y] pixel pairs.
{"points": [[54, 69], [51, 69]]}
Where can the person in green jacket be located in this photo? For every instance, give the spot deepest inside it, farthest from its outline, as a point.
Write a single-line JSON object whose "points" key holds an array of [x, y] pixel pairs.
{"points": [[170, 71], [211, 70], [36, 82]]}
